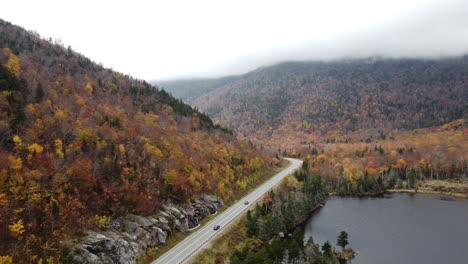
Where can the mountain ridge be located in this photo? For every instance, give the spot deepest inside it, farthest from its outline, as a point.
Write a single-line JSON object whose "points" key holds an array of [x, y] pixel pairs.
{"points": [[312, 99]]}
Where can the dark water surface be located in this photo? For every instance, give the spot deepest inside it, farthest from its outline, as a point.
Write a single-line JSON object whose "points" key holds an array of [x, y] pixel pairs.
{"points": [[402, 228]]}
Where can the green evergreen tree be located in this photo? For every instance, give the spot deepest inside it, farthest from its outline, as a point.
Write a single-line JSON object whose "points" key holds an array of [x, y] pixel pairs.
{"points": [[252, 228], [293, 249], [327, 249], [275, 249], [342, 239]]}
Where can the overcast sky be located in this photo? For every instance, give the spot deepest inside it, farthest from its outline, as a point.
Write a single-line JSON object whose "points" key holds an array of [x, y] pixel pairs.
{"points": [[203, 38]]}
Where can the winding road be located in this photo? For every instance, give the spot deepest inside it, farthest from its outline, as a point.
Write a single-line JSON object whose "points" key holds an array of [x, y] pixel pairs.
{"points": [[195, 241]]}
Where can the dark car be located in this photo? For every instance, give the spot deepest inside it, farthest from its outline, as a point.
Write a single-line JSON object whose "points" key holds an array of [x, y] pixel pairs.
{"points": [[216, 227], [246, 202]]}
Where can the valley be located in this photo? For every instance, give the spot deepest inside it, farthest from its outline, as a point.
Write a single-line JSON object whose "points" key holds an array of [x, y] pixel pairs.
{"points": [[365, 127], [243, 133]]}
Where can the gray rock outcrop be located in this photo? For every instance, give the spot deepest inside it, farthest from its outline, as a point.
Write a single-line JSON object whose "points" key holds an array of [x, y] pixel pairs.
{"points": [[129, 237]]}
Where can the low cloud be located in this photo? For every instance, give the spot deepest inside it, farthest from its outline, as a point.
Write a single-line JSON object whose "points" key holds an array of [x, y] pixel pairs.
{"points": [[438, 30]]}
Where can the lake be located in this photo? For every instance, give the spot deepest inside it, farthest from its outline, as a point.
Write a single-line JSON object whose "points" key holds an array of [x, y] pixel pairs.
{"points": [[401, 228]]}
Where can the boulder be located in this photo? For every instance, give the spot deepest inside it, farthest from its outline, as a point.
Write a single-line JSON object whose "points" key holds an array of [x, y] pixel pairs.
{"points": [[153, 220], [129, 226], [98, 248], [181, 225], [160, 235], [129, 237], [143, 221]]}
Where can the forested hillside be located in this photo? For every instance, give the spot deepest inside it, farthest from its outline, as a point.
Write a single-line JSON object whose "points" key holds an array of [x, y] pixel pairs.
{"points": [[80, 142], [401, 159], [308, 101]]}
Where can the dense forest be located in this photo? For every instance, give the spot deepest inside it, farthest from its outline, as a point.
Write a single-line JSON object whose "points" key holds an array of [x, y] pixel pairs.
{"points": [[274, 228], [400, 159], [284, 104], [79, 142]]}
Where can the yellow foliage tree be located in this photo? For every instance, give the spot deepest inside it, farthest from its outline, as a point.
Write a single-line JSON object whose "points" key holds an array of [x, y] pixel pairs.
{"points": [[6, 93], [170, 177], [15, 163], [34, 149], [89, 88], [122, 149], [17, 140], [13, 64], [17, 229], [241, 184], [6, 260], [153, 150], [102, 221], [60, 115], [350, 175], [59, 148], [222, 190]]}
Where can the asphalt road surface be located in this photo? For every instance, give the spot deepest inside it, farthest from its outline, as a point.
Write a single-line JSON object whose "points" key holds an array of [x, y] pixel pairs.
{"points": [[195, 241]]}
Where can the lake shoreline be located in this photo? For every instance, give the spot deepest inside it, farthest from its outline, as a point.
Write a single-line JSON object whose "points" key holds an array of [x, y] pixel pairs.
{"points": [[457, 189], [438, 187], [398, 220], [410, 191], [419, 191]]}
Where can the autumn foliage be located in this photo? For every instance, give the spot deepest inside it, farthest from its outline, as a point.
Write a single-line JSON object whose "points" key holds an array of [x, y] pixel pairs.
{"points": [[282, 105], [81, 143], [438, 153], [349, 119]]}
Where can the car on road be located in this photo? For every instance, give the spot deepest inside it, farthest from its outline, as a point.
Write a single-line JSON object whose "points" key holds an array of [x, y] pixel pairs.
{"points": [[246, 202], [216, 227]]}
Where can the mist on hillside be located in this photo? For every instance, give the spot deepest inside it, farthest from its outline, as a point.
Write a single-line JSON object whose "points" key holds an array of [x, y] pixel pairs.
{"points": [[437, 30]]}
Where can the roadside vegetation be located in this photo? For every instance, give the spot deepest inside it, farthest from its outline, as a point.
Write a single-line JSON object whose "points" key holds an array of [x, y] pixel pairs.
{"points": [[175, 238], [224, 245], [272, 231]]}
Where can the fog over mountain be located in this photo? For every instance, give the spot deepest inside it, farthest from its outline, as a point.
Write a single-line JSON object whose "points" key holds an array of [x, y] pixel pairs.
{"points": [[433, 29], [439, 29], [160, 40]]}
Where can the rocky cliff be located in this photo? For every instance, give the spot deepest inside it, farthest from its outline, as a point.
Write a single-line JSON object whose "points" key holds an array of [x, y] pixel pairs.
{"points": [[130, 236]]}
